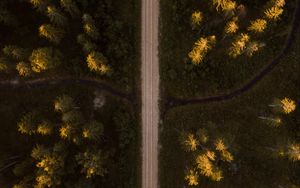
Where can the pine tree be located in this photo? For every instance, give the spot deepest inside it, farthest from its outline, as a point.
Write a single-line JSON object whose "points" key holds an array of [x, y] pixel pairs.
{"points": [[41, 5], [238, 45], [73, 117], [192, 178], [64, 104], [87, 45], [253, 47], [285, 105], [190, 142], [92, 163], [93, 130], [15, 52], [258, 25], [224, 5], [89, 26], [293, 152], [231, 27], [3, 67], [43, 59], [272, 121], [56, 16], [45, 128], [70, 7], [50, 166], [28, 124], [24, 69], [223, 149], [201, 48], [273, 13], [7, 17], [51, 33], [196, 19], [21, 185], [97, 63], [206, 167]]}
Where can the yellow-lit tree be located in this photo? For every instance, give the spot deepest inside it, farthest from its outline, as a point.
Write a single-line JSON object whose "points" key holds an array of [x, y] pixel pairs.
{"points": [[231, 27], [258, 25], [201, 48], [274, 9], [89, 26], [52, 33], [192, 177], [70, 7], [224, 5], [196, 19], [92, 163], [24, 69], [189, 142], [43, 59], [206, 158], [293, 152], [3, 67], [41, 5], [238, 45], [253, 47], [97, 63], [285, 105], [56, 16]]}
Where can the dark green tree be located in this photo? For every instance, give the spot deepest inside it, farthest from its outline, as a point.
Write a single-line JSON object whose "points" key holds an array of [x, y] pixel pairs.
{"points": [[70, 7]]}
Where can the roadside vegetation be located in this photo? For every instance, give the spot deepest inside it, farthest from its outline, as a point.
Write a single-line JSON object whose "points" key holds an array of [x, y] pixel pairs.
{"points": [[260, 129], [58, 136], [212, 47], [78, 38]]}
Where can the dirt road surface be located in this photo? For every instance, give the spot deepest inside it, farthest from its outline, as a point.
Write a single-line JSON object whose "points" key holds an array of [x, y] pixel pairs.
{"points": [[150, 93]]}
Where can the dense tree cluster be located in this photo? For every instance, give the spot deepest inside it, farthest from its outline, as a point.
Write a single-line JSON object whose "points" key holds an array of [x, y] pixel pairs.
{"points": [[208, 154], [74, 150], [66, 25], [241, 41]]}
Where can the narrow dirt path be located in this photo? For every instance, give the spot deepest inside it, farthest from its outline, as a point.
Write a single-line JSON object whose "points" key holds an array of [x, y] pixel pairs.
{"points": [[46, 82], [150, 93]]}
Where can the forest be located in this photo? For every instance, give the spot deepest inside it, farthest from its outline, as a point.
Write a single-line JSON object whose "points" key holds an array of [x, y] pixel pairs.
{"points": [[60, 38], [68, 74]]}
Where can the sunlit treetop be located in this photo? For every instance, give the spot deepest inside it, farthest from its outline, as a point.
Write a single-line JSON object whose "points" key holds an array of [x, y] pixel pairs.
{"points": [[288, 105], [258, 25], [294, 152], [97, 63], [3, 67], [201, 48], [190, 142], [45, 58], [224, 5], [238, 45], [52, 33], [66, 131], [192, 177], [273, 13], [231, 27], [45, 128], [196, 18]]}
